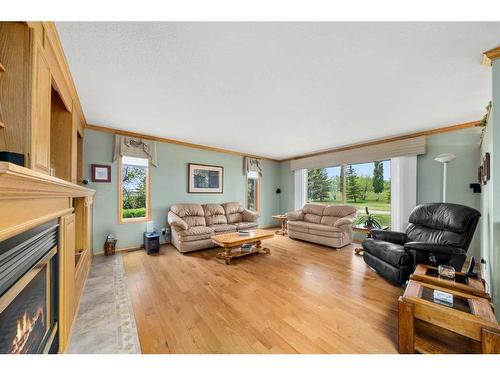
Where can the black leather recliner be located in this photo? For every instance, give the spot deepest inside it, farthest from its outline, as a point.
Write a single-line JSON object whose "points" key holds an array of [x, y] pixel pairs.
{"points": [[437, 233]]}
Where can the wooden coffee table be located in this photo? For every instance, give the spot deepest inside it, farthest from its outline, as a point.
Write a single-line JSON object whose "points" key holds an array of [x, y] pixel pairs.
{"points": [[231, 244]]}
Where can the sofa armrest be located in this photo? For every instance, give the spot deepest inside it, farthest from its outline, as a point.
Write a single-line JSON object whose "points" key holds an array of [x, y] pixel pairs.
{"points": [[433, 247], [249, 216], [295, 215], [398, 238], [176, 221], [344, 221]]}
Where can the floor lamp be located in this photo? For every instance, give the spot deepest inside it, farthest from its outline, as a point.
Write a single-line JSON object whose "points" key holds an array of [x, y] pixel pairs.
{"points": [[445, 159]]}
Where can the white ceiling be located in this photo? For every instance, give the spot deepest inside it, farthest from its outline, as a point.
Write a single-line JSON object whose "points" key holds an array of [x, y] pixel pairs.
{"points": [[279, 89]]}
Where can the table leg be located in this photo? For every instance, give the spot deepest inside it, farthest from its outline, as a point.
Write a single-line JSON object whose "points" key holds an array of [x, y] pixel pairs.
{"points": [[406, 327]]}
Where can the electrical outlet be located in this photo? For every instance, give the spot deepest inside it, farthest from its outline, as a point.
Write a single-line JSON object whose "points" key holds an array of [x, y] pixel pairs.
{"points": [[163, 231]]}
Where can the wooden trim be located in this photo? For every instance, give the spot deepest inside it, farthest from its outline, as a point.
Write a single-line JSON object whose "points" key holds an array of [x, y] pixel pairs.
{"points": [[121, 220], [172, 141], [435, 131], [21, 182], [490, 55], [27, 225], [391, 139]]}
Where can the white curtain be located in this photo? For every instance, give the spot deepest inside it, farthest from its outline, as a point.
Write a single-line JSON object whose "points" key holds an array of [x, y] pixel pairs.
{"points": [[135, 147], [403, 190], [300, 188]]}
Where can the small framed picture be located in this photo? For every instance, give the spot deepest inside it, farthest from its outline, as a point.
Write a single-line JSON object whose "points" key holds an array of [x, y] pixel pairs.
{"points": [[205, 178], [101, 173]]}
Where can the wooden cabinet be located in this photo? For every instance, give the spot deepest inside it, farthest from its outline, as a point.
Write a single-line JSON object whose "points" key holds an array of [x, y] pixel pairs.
{"points": [[41, 87], [67, 241]]}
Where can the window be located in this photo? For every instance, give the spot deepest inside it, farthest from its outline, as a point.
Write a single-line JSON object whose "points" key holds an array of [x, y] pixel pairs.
{"points": [[253, 189], [133, 192], [325, 185], [361, 185]]}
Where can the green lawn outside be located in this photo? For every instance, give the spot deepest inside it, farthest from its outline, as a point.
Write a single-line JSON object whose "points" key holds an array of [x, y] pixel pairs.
{"points": [[134, 212]]}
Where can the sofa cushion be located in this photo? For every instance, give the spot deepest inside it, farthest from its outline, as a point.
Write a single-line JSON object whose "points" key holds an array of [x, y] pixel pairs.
{"points": [[323, 233], [233, 212], [323, 228], [339, 210], [313, 212], [299, 226], [246, 225], [187, 209], [389, 252], [218, 228], [196, 233], [192, 214], [214, 214]]}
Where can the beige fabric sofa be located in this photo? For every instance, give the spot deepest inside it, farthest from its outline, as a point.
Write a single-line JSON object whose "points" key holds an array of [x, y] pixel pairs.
{"points": [[325, 225], [192, 225]]}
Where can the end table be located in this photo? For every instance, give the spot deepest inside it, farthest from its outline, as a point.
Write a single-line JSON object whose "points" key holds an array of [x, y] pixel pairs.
{"points": [[282, 219]]}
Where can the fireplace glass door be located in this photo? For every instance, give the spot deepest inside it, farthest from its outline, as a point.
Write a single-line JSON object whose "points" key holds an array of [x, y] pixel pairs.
{"points": [[25, 311]]}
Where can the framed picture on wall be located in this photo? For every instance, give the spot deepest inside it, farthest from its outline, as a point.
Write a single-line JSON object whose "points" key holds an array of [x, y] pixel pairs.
{"points": [[205, 178], [100, 173]]}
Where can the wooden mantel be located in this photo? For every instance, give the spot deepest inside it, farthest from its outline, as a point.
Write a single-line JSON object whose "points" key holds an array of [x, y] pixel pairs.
{"points": [[29, 198]]}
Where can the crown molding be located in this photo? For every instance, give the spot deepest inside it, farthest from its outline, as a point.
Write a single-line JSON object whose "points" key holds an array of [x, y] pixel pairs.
{"points": [[491, 55], [172, 141], [391, 139]]}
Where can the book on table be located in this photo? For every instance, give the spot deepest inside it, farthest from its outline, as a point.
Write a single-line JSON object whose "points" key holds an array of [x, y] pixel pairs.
{"points": [[246, 232]]}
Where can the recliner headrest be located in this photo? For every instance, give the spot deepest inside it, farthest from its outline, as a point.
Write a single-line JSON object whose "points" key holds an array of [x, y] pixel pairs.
{"points": [[444, 216]]}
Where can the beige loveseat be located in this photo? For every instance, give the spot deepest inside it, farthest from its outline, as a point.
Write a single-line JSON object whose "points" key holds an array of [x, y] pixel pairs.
{"points": [[192, 225], [325, 225]]}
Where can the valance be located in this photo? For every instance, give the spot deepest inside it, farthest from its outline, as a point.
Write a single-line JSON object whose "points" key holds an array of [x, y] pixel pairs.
{"points": [[251, 164], [135, 147], [363, 154]]}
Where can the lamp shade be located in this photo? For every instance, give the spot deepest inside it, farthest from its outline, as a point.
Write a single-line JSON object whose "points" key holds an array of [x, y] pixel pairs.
{"points": [[445, 158]]}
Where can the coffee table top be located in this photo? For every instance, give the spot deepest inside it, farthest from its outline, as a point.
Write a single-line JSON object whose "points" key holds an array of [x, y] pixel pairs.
{"points": [[235, 239]]}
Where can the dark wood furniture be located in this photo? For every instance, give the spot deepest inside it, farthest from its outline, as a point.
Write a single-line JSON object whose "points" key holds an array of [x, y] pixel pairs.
{"points": [[426, 325]]}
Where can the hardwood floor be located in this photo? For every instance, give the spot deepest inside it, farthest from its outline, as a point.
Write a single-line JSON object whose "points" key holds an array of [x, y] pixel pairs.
{"points": [[302, 298]]}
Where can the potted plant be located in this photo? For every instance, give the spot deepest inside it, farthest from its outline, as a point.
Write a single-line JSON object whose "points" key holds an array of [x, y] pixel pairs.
{"points": [[369, 220]]}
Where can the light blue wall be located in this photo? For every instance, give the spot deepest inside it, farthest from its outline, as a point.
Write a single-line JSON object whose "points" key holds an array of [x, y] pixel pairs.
{"points": [[490, 197], [461, 172], [169, 186]]}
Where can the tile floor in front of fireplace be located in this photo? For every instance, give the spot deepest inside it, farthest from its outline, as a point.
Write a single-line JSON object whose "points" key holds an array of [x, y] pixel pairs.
{"points": [[105, 322]]}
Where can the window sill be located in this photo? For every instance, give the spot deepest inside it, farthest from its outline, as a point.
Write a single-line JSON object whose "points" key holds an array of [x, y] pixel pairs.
{"points": [[134, 220]]}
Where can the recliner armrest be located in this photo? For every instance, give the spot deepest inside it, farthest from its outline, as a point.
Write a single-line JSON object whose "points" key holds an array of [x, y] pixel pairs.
{"points": [[398, 238], [249, 216], [176, 221], [295, 215], [433, 247]]}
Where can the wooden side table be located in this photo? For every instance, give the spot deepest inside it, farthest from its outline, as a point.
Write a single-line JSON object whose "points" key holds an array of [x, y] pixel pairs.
{"points": [[282, 219], [365, 230], [461, 282], [426, 325]]}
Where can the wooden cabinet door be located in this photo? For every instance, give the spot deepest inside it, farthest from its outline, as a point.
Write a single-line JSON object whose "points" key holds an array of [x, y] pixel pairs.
{"points": [[41, 86], [67, 242]]}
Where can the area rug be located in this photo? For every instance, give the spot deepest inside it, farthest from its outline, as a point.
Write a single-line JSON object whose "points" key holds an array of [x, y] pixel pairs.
{"points": [[105, 322]]}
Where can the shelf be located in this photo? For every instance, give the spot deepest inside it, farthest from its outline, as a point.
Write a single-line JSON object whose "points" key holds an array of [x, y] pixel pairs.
{"points": [[430, 339]]}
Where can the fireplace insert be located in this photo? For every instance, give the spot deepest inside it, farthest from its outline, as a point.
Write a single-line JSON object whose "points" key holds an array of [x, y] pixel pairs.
{"points": [[28, 291]]}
